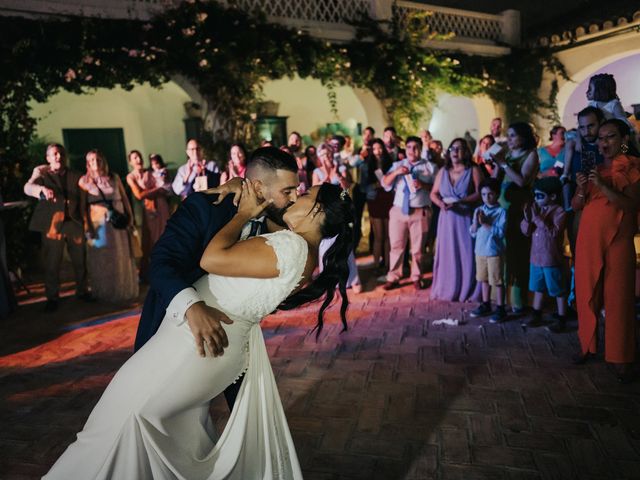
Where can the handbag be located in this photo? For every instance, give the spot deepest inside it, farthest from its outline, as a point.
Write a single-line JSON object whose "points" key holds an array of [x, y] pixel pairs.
{"points": [[117, 219]]}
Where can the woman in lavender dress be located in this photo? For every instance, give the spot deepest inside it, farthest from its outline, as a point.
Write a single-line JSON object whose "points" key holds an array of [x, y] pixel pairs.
{"points": [[456, 192]]}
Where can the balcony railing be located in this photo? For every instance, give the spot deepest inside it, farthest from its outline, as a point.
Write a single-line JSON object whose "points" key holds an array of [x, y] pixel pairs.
{"points": [[329, 19]]}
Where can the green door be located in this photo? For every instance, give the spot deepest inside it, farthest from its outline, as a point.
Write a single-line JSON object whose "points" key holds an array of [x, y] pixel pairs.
{"points": [[110, 141]]}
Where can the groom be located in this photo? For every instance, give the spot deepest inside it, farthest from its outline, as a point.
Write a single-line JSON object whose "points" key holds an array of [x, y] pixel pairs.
{"points": [[175, 259]]}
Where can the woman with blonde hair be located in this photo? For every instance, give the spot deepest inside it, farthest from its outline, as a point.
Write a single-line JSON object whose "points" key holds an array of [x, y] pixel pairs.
{"points": [[110, 261]]}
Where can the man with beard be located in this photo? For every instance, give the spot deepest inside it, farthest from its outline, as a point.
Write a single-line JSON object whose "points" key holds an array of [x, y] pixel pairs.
{"points": [[175, 260], [580, 155]]}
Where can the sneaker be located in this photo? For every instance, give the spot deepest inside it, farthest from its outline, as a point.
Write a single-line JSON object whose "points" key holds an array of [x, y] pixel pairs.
{"points": [[482, 311], [535, 320], [390, 285], [499, 316], [559, 326]]}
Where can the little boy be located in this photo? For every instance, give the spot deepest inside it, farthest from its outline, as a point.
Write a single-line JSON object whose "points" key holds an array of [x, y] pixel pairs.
{"points": [[544, 221], [488, 226]]}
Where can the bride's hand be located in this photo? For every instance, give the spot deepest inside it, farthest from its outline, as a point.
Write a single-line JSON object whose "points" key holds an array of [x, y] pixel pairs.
{"points": [[233, 186], [250, 206]]}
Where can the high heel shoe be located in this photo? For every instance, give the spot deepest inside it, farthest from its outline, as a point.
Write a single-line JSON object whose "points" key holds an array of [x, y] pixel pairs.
{"points": [[582, 358]]}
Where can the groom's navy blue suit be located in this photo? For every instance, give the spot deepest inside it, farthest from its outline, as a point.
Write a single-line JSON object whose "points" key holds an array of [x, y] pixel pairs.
{"points": [[175, 259]]}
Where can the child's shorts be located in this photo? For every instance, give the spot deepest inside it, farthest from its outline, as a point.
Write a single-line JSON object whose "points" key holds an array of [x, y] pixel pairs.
{"points": [[547, 279], [490, 269]]}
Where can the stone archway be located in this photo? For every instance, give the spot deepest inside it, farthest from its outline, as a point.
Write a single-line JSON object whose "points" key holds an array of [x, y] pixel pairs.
{"points": [[584, 59], [615, 64]]}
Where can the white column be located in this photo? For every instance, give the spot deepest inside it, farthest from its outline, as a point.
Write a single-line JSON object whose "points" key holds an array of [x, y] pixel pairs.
{"points": [[380, 9], [511, 27]]}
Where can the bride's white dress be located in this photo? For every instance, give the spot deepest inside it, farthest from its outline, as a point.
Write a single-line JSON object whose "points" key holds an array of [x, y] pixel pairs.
{"points": [[153, 421]]}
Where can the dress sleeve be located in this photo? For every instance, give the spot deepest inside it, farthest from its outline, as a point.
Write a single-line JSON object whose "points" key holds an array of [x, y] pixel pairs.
{"points": [[291, 251]]}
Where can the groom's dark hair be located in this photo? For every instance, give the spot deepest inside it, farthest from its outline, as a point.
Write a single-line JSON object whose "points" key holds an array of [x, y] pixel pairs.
{"points": [[271, 158]]}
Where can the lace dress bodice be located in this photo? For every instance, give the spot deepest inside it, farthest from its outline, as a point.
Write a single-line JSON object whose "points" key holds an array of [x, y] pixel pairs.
{"points": [[250, 299]]}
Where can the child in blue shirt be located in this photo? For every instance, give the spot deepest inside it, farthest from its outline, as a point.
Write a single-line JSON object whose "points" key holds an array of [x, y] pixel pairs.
{"points": [[544, 221], [488, 227]]}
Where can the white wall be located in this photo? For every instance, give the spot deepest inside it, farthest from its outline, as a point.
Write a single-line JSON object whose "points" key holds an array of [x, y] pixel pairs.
{"points": [[152, 119], [454, 115], [306, 103]]}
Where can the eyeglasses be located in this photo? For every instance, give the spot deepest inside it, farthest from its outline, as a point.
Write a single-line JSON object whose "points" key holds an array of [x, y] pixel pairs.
{"points": [[539, 195], [456, 149]]}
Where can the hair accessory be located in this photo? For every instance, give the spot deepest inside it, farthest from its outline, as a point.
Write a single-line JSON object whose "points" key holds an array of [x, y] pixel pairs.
{"points": [[343, 195], [350, 224]]}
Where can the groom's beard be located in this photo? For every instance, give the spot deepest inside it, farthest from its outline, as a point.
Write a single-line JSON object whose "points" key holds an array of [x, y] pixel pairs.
{"points": [[276, 214]]}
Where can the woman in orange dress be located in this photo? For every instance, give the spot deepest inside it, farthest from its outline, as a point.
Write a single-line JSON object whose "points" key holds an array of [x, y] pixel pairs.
{"points": [[609, 196]]}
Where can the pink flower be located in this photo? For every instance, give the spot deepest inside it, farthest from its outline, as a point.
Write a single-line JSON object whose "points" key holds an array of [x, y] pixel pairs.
{"points": [[203, 63], [133, 53], [202, 17]]}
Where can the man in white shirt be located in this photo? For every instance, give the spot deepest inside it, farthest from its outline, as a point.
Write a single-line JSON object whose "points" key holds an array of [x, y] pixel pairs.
{"points": [[409, 218], [197, 174]]}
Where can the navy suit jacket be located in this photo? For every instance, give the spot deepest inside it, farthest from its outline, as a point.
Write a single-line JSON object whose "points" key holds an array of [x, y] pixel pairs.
{"points": [[175, 259]]}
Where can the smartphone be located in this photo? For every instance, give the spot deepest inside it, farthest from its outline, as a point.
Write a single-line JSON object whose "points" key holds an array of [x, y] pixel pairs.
{"points": [[588, 161]]}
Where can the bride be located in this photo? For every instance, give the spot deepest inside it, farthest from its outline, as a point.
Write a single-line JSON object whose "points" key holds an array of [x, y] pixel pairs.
{"points": [[153, 419]]}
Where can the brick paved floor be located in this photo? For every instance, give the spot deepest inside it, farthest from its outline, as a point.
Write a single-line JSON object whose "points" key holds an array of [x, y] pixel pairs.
{"points": [[395, 397]]}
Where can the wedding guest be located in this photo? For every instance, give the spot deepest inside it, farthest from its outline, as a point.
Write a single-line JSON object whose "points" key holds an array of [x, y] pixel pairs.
{"points": [[197, 174], [581, 155], [236, 163], [426, 137], [486, 166], [330, 172], [379, 201], [609, 197], [517, 169], [411, 179], [160, 172], [495, 129], [59, 217], [436, 157], [544, 221], [145, 188], [457, 192], [295, 144], [109, 256], [602, 94], [311, 162], [489, 221], [390, 139], [551, 157]]}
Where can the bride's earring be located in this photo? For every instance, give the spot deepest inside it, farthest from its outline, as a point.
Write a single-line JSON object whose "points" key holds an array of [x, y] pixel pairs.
{"points": [[624, 147]]}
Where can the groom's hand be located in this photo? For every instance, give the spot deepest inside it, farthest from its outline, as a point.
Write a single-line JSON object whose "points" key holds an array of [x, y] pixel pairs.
{"points": [[205, 324]]}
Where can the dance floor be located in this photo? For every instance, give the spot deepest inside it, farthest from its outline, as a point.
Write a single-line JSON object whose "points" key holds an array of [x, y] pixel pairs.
{"points": [[399, 396]]}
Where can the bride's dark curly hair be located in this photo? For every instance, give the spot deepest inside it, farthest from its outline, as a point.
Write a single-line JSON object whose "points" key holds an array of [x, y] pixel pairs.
{"points": [[338, 223]]}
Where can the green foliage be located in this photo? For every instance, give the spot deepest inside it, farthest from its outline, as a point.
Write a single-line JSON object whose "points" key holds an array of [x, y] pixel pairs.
{"points": [[229, 54]]}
